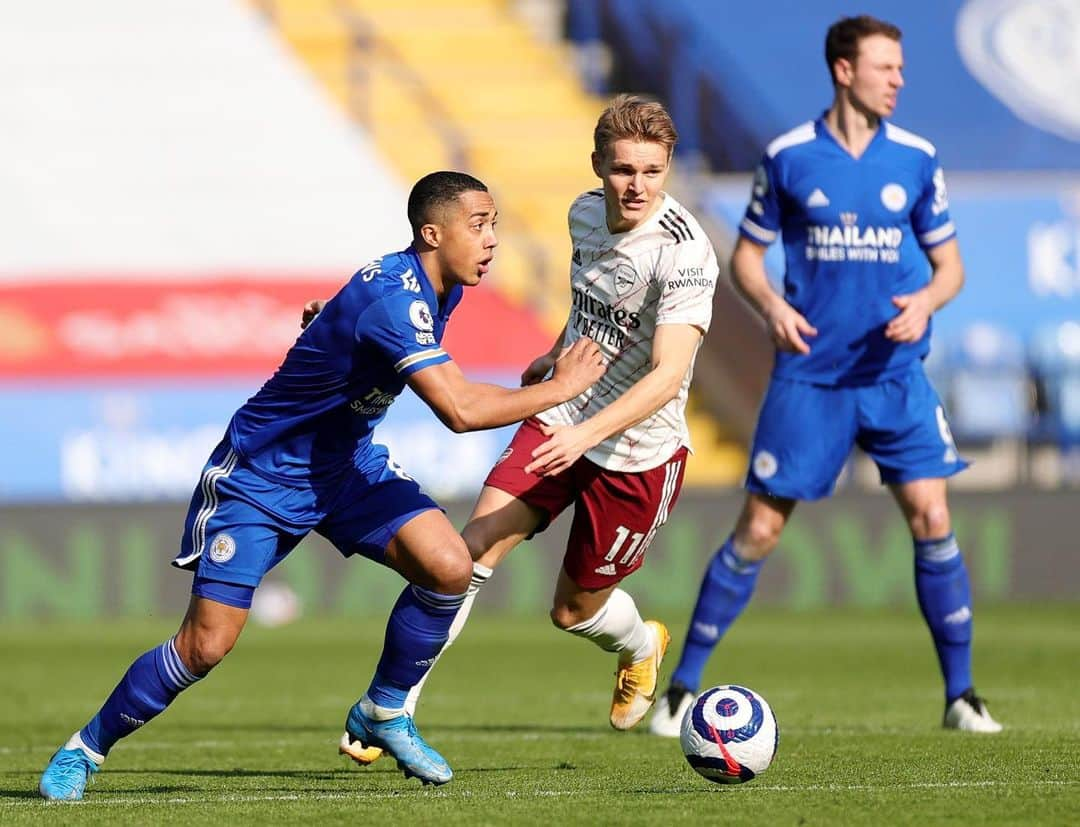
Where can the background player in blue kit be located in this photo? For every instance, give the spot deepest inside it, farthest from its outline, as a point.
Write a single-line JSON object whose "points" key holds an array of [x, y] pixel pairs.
{"points": [[299, 456], [862, 206]]}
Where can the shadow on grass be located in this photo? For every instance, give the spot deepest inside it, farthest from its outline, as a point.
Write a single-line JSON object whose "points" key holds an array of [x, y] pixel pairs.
{"points": [[514, 729], [209, 732], [21, 793], [237, 772]]}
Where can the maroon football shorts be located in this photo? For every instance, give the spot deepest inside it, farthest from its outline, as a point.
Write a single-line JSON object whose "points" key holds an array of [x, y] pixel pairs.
{"points": [[616, 513]]}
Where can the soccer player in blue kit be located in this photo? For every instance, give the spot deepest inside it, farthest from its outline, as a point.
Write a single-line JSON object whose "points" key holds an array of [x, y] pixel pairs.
{"points": [[862, 206], [300, 456]]}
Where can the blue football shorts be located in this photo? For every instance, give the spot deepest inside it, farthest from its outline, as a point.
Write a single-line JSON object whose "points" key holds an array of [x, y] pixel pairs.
{"points": [[240, 525], [805, 433]]}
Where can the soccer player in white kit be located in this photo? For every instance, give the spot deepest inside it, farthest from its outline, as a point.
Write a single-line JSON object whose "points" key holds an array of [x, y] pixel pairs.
{"points": [[642, 277]]}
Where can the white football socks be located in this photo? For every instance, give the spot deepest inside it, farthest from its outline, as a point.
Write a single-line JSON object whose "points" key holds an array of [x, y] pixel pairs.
{"points": [[480, 576], [618, 627]]}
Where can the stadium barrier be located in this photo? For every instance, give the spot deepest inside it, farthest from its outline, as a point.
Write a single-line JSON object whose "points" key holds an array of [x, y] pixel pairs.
{"points": [[89, 561]]}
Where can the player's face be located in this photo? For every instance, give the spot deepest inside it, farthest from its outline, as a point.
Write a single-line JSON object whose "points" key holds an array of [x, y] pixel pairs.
{"points": [[876, 77], [467, 238], [633, 173]]}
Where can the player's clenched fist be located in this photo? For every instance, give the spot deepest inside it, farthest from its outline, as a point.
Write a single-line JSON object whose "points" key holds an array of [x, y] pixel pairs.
{"points": [[580, 366]]}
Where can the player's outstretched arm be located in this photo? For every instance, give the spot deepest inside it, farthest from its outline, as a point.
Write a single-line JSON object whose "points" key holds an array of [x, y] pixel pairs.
{"points": [[462, 405], [673, 349], [916, 308], [786, 325]]}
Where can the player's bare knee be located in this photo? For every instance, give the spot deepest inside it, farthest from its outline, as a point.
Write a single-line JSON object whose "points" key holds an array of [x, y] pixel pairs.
{"points": [[930, 522], [204, 649], [564, 617], [449, 567], [757, 536]]}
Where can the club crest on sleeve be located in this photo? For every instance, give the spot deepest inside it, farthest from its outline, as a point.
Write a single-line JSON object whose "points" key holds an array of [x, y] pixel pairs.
{"points": [[765, 465], [420, 316], [222, 548], [761, 182]]}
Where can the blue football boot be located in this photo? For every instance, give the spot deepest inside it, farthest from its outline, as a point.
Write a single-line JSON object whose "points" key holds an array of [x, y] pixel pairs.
{"points": [[68, 772], [398, 737]]}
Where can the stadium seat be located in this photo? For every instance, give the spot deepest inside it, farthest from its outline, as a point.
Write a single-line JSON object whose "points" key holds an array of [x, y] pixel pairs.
{"points": [[1054, 354], [988, 388], [474, 88]]}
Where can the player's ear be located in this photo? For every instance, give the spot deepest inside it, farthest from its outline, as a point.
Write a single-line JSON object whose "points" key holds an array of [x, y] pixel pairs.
{"points": [[431, 234], [598, 163], [844, 70]]}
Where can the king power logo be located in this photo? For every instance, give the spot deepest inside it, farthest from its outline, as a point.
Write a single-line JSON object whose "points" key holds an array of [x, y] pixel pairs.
{"points": [[1026, 53]]}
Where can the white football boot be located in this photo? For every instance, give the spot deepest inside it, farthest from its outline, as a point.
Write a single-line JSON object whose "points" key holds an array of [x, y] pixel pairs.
{"points": [[670, 710], [969, 713]]}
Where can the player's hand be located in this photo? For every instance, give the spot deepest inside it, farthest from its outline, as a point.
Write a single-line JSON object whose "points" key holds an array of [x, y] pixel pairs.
{"points": [[787, 326], [579, 367], [537, 369], [910, 324], [312, 309], [567, 445]]}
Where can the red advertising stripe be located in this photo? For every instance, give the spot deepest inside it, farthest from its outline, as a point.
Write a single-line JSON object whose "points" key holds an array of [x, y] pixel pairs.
{"points": [[136, 329]]}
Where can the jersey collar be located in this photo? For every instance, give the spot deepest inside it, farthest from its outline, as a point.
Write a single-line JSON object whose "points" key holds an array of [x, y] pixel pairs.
{"points": [[823, 132], [648, 222]]}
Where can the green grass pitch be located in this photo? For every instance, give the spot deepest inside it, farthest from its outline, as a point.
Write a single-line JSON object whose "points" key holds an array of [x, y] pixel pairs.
{"points": [[520, 711]]}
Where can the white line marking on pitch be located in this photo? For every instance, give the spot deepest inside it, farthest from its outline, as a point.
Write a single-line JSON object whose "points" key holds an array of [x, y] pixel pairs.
{"points": [[396, 794]]}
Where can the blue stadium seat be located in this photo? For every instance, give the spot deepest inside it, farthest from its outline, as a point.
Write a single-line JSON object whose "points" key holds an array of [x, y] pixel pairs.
{"points": [[1054, 353], [936, 365], [988, 387]]}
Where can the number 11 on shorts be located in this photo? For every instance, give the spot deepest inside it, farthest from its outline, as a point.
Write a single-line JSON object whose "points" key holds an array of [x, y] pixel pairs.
{"points": [[622, 533]]}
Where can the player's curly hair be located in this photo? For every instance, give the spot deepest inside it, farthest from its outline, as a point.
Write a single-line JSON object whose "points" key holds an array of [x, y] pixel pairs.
{"points": [[842, 39], [435, 190], [635, 118]]}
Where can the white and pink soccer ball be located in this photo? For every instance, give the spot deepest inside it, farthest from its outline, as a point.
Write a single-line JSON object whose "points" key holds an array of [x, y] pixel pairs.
{"points": [[729, 734]]}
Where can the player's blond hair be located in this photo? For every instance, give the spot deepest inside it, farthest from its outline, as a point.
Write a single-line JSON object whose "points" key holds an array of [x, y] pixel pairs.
{"points": [[637, 119]]}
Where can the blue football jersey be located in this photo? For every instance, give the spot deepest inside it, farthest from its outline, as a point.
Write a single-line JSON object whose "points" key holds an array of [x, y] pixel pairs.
{"points": [[317, 412], [854, 234]]}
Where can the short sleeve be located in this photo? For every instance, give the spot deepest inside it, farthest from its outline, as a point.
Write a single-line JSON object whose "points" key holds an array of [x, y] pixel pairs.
{"points": [[402, 328], [687, 275], [761, 222], [930, 216]]}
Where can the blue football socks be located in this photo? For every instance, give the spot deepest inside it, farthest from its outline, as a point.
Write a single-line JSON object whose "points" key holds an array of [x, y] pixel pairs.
{"points": [[725, 590], [941, 583], [416, 632], [150, 684]]}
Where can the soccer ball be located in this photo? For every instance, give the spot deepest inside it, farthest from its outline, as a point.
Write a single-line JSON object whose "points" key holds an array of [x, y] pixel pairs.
{"points": [[729, 734]]}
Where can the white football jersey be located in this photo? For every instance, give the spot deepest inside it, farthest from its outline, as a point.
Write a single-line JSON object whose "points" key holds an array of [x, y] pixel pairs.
{"points": [[623, 286]]}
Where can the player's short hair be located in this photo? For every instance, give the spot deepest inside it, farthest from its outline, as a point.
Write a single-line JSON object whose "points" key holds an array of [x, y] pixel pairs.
{"points": [[635, 118], [436, 190], [842, 39]]}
